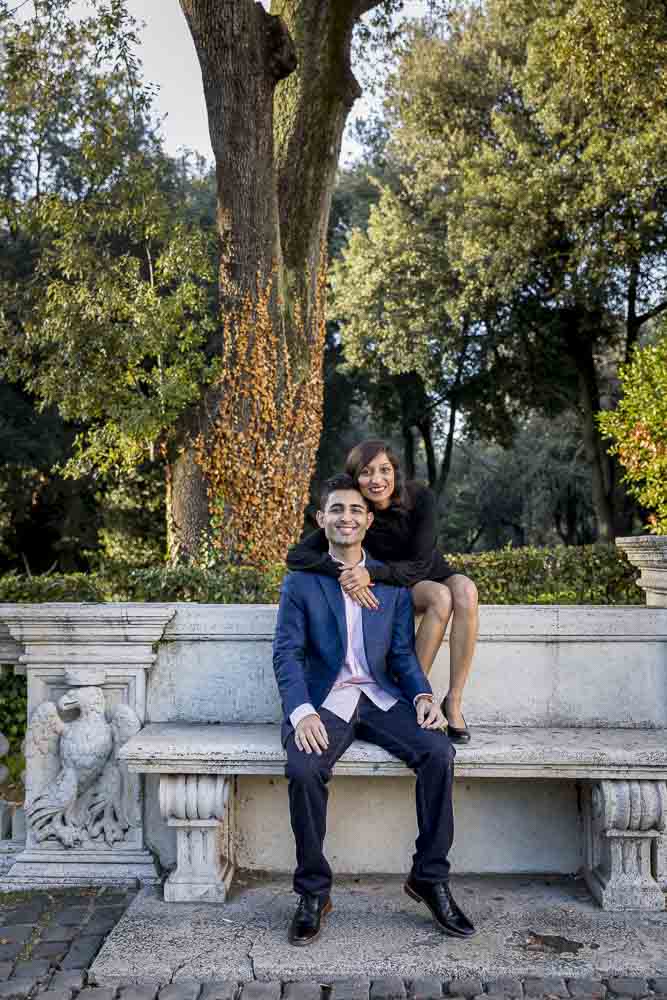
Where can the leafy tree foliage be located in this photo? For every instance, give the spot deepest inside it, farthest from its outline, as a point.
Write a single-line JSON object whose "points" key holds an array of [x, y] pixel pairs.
{"points": [[111, 325], [44, 520], [107, 282], [391, 293], [107, 269], [535, 492], [554, 198], [639, 428]]}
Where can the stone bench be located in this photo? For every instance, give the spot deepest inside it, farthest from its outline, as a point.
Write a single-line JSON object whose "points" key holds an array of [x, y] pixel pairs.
{"points": [[622, 774], [572, 698]]}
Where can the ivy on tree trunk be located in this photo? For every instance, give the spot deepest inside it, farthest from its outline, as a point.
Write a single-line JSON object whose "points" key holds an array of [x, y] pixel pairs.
{"points": [[278, 89]]}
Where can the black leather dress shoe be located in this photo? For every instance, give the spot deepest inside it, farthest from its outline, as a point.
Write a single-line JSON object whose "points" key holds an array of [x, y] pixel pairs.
{"points": [[307, 921], [444, 908], [456, 734]]}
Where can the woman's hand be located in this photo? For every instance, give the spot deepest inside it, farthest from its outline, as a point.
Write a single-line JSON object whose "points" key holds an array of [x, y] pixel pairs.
{"points": [[357, 585], [351, 579], [365, 598]]}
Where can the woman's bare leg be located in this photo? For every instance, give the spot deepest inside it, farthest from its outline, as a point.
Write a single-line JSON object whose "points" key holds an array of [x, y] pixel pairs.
{"points": [[433, 601], [462, 640]]}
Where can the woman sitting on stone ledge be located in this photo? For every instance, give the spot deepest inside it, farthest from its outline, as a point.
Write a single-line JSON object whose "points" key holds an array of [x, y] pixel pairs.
{"points": [[403, 536]]}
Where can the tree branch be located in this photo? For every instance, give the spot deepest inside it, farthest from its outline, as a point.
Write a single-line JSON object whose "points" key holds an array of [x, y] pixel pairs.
{"points": [[363, 6], [311, 108], [651, 313]]}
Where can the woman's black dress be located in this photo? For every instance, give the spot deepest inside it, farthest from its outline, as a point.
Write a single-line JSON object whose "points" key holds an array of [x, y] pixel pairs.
{"points": [[403, 538]]}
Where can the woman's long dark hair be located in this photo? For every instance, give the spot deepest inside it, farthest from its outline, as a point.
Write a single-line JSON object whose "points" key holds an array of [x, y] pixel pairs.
{"points": [[365, 452]]}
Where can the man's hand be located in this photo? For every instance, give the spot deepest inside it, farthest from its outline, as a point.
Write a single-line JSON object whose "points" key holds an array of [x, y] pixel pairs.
{"points": [[310, 734], [356, 582], [429, 713]]}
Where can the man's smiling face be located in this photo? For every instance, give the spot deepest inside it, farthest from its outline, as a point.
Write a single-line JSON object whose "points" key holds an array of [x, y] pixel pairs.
{"points": [[345, 518]]}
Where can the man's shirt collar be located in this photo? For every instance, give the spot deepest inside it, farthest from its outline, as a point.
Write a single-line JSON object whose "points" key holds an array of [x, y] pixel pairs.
{"points": [[362, 561]]}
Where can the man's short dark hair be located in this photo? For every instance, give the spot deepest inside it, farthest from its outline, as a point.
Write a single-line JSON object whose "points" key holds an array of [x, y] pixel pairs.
{"points": [[341, 481]]}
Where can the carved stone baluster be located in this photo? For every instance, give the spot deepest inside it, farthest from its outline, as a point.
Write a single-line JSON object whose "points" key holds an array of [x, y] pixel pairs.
{"points": [[194, 805], [625, 821]]}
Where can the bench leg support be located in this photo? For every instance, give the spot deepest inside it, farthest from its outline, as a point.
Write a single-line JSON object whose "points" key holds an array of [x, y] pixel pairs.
{"points": [[624, 821], [194, 806], [660, 861]]}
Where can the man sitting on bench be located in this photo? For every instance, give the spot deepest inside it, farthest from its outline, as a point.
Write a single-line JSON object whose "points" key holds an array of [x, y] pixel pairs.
{"points": [[343, 673]]}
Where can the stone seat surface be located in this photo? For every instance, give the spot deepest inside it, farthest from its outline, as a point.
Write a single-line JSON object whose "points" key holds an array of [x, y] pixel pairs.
{"points": [[495, 752]]}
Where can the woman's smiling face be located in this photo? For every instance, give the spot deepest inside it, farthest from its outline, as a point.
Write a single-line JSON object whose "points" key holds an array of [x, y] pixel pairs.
{"points": [[377, 480]]}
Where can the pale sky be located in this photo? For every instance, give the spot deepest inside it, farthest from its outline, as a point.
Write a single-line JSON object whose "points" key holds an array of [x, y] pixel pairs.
{"points": [[170, 61]]}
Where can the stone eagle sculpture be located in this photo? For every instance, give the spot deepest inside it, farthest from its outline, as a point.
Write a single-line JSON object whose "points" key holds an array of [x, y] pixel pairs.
{"points": [[85, 793]]}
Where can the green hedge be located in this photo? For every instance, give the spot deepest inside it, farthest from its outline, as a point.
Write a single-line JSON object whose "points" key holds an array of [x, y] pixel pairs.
{"points": [[587, 574], [16, 588], [590, 574], [13, 712]]}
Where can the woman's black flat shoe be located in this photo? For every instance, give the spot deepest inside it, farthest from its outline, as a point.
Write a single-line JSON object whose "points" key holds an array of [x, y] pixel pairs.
{"points": [[456, 735]]}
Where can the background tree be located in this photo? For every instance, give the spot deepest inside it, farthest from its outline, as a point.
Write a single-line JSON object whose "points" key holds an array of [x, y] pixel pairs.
{"points": [[279, 87], [391, 290], [537, 491], [639, 428], [553, 193], [106, 269], [45, 521]]}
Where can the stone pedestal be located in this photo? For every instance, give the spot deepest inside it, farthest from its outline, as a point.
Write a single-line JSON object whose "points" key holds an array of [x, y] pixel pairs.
{"points": [[624, 823], [86, 668], [194, 806], [649, 554]]}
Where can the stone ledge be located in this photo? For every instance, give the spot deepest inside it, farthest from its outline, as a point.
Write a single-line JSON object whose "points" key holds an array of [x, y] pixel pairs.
{"points": [[256, 623], [74, 623], [507, 752], [498, 623], [528, 929]]}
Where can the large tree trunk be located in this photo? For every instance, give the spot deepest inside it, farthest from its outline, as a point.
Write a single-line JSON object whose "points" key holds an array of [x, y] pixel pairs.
{"points": [[446, 464], [408, 451], [425, 428], [580, 329], [240, 474]]}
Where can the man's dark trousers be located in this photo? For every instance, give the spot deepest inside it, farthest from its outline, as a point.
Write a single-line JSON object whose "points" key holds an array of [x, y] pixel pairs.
{"points": [[428, 752]]}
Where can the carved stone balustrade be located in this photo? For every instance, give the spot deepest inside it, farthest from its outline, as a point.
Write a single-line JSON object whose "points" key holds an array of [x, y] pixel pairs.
{"points": [[86, 668]]}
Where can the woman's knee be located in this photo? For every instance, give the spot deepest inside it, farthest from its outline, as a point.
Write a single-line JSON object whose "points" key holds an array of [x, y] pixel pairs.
{"points": [[439, 602], [464, 594]]}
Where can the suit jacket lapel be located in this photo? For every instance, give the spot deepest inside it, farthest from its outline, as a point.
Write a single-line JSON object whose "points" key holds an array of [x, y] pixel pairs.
{"points": [[334, 597], [367, 624], [370, 621]]}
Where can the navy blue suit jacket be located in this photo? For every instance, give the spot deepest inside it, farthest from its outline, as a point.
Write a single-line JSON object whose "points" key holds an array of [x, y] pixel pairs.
{"points": [[311, 638]]}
